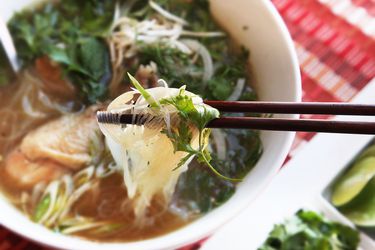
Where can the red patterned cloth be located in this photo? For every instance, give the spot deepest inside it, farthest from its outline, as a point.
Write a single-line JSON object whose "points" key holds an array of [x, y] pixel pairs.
{"points": [[335, 43]]}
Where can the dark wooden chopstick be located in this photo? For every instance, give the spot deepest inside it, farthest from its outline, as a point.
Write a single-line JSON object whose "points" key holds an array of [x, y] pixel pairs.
{"points": [[323, 108], [275, 124], [278, 124]]}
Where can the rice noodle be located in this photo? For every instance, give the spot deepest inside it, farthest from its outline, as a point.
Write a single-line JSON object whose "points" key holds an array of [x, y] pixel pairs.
{"points": [[236, 94], [26, 106], [147, 170], [127, 33]]}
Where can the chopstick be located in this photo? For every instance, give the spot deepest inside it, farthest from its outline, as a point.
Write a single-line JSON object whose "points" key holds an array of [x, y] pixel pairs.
{"points": [[324, 108], [278, 124], [275, 124]]}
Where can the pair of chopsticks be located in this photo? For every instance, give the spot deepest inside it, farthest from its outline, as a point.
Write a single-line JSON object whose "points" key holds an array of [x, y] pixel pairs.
{"points": [[279, 124]]}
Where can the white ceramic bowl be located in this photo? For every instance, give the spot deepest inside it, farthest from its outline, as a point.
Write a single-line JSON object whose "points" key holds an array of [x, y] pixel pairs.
{"points": [[257, 25]]}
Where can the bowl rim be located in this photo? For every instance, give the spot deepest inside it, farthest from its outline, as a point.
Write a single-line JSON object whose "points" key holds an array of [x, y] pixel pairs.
{"points": [[180, 237]]}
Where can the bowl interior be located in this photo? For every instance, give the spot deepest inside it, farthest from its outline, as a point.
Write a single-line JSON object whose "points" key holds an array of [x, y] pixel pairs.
{"points": [[257, 26]]}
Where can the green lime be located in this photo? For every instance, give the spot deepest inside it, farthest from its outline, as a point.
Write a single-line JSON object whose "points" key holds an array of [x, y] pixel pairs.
{"points": [[361, 210], [370, 151], [352, 182]]}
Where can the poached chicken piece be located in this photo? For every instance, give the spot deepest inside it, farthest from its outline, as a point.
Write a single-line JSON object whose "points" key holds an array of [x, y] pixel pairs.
{"points": [[55, 148]]}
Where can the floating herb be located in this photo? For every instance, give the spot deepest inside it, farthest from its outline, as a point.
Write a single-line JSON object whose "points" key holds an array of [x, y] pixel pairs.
{"points": [[70, 34]]}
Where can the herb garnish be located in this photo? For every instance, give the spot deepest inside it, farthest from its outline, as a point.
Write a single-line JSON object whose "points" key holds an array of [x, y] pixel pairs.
{"points": [[196, 115], [72, 35], [308, 230]]}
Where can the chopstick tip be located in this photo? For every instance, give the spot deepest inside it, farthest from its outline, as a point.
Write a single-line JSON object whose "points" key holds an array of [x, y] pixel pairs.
{"points": [[107, 117]]}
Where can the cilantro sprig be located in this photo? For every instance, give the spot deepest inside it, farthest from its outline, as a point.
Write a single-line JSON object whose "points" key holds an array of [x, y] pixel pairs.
{"points": [[308, 230], [195, 116]]}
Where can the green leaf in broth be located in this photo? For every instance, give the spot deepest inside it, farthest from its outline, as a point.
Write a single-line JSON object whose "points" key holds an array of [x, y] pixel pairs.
{"points": [[199, 190], [361, 210], [93, 56], [353, 181], [42, 208], [72, 35]]}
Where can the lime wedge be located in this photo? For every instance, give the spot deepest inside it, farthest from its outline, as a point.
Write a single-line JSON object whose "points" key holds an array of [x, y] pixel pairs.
{"points": [[352, 182], [361, 211], [370, 151]]}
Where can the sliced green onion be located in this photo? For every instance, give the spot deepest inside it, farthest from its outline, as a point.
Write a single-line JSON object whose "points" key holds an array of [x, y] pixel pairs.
{"points": [[144, 92], [81, 227], [42, 208], [108, 228]]}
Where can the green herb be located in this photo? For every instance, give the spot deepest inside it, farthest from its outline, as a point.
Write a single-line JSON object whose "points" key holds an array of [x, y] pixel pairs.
{"points": [[174, 66], [191, 115], [228, 71], [72, 35], [198, 116], [42, 208], [143, 92], [87, 63], [198, 190], [244, 149], [308, 230]]}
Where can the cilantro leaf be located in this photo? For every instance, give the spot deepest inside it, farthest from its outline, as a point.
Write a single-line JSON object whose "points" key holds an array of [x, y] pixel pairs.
{"points": [[199, 115], [87, 63], [308, 230]]}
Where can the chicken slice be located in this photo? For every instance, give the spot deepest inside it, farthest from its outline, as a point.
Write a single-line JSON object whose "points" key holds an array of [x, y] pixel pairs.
{"points": [[67, 140], [54, 149], [26, 173]]}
